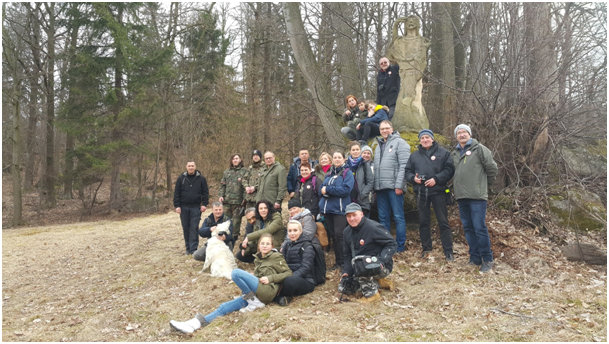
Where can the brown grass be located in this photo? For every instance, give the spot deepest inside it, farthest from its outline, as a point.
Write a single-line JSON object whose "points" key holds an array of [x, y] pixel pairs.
{"points": [[124, 281]]}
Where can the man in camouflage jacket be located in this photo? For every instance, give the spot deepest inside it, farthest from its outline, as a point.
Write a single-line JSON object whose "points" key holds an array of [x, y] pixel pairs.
{"points": [[256, 170]]}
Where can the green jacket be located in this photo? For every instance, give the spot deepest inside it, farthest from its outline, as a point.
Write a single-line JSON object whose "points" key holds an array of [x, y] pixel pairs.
{"points": [[253, 177], [475, 171], [231, 185], [272, 185], [273, 225], [275, 268]]}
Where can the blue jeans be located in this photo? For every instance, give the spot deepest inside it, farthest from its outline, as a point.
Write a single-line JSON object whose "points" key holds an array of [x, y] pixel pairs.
{"points": [[388, 202], [190, 218], [473, 218], [247, 283]]}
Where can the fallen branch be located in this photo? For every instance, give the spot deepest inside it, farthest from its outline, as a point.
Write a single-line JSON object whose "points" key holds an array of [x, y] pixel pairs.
{"points": [[512, 314]]}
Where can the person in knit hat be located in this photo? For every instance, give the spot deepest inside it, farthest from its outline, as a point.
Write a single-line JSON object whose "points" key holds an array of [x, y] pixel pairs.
{"points": [[429, 169], [475, 172]]}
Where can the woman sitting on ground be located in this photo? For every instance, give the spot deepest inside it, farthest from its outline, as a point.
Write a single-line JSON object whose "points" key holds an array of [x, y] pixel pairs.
{"points": [[300, 257], [267, 221], [257, 289]]}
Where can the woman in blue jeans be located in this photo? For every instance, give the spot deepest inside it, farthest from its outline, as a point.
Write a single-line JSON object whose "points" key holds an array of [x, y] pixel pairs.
{"points": [[257, 289]]}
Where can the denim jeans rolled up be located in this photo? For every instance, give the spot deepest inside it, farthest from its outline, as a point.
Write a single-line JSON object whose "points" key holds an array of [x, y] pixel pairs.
{"points": [[388, 204], [473, 218], [247, 283]]}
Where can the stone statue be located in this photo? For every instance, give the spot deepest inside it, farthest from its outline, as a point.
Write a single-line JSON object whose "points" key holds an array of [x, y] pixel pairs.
{"points": [[410, 53]]}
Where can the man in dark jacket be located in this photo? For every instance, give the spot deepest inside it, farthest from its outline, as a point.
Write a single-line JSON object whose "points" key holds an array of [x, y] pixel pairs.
{"points": [[429, 169], [294, 172], [387, 85], [368, 238], [190, 199], [209, 225]]}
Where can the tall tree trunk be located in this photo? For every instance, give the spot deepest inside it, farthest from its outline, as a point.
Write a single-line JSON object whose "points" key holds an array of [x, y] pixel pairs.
{"points": [[348, 71], [541, 82], [320, 90], [267, 107], [17, 167], [442, 115], [49, 170], [115, 185], [34, 103], [68, 172]]}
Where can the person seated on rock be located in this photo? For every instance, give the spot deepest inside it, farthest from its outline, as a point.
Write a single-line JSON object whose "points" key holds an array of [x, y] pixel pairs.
{"points": [[209, 224], [299, 253], [369, 127], [351, 116], [267, 221], [366, 240], [256, 290]]}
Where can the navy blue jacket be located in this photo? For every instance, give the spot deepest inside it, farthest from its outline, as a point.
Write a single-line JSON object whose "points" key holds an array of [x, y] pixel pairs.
{"points": [[369, 238], [378, 117], [191, 191], [210, 221], [338, 190], [294, 173], [432, 163]]}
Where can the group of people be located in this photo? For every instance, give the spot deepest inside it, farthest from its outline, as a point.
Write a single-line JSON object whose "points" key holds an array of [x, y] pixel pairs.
{"points": [[338, 193]]}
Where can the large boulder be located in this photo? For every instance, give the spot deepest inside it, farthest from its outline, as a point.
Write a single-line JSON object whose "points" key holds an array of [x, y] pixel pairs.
{"points": [[578, 209], [587, 160]]}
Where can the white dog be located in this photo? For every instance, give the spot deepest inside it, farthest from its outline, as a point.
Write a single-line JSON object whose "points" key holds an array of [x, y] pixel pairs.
{"points": [[218, 256]]}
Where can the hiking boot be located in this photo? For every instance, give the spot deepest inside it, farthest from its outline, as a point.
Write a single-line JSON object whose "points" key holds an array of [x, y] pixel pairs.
{"points": [[189, 326], [374, 298], [486, 266], [449, 257], [425, 254], [471, 262], [283, 301], [386, 283]]}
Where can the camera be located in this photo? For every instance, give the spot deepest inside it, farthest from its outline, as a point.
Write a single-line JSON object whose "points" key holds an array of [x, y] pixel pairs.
{"points": [[423, 178]]}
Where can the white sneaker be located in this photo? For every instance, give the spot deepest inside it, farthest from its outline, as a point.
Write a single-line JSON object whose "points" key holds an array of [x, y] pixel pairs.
{"points": [[252, 304], [187, 327]]}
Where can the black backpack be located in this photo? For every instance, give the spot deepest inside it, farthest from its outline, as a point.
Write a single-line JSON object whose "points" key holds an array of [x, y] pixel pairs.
{"points": [[319, 263]]}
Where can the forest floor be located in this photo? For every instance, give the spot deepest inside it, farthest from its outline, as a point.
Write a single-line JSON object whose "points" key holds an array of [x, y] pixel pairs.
{"points": [[124, 279]]}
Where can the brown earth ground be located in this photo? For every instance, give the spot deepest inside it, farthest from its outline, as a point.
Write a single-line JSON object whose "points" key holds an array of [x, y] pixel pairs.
{"points": [[123, 280]]}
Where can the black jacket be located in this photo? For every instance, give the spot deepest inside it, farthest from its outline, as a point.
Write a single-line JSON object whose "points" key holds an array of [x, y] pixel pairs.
{"points": [[433, 163], [308, 194], [191, 191], [388, 86], [369, 238], [300, 258]]}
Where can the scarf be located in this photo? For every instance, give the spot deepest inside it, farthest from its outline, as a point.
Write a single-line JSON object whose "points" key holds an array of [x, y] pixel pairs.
{"points": [[303, 179], [354, 164], [326, 168]]}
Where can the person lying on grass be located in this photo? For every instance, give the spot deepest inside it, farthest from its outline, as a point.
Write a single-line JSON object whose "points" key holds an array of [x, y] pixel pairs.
{"points": [[257, 289]]}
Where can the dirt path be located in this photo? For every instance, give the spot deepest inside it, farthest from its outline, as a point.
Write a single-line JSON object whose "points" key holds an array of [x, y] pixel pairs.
{"points": [[124, 281]]}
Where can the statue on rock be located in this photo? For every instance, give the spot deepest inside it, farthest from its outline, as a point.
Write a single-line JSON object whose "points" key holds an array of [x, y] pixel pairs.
{"points": [[410, 53]]}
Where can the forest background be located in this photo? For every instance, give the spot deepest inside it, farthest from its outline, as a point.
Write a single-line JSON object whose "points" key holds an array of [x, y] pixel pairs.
{"points": [[103, 103]]}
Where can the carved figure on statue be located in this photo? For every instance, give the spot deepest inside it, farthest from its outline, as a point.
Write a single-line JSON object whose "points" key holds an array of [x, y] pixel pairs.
{"points": [[410, 53]]}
